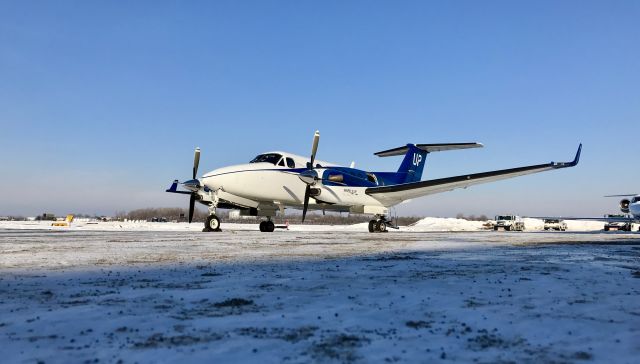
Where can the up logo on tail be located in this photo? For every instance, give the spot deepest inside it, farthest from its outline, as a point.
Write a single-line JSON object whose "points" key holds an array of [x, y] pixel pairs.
{"points": [[417, 158]]}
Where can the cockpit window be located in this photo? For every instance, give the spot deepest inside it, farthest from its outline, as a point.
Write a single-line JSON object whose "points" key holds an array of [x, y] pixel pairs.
{"points": [[272, 158], [290, 163], [635, 199], [281, 162]]}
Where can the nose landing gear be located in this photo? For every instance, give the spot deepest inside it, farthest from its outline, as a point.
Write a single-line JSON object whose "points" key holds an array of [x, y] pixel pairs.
{"points": [[212, 223]]}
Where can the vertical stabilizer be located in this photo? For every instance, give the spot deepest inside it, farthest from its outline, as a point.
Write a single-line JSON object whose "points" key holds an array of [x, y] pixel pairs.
{"points": [[413, 164]]}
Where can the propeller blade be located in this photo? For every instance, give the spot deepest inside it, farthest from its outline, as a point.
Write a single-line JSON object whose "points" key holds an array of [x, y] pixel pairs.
{"points": [[307, 193], [314, 148], [196, 162], [192, 203]]}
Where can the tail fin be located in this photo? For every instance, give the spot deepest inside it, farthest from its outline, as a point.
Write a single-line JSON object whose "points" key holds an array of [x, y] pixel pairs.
{"points": [[413, 164]]}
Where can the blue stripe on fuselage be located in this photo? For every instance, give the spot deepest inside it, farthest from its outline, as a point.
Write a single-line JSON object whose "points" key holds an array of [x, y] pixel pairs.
{"points": [[351, 177]]}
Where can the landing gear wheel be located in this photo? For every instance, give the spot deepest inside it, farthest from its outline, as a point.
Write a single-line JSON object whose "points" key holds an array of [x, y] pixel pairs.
{"points": [[267, 226], [381, 226], [372, 226], [212, 223]]}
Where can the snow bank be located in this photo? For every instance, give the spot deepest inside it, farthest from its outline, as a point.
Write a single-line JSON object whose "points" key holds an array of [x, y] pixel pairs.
{"points": [[572, 225], [445, 224]]}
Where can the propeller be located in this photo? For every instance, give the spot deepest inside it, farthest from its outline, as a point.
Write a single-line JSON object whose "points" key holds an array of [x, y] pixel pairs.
{"points": [[309, 176], [196, 162], [193, 184]]}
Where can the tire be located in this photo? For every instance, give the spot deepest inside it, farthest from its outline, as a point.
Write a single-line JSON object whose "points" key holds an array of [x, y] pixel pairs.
{"points": [[262, 226], [545, 229], [507, 228], [495, 228], [269, 226], [212, 223], [381, 226], [606, 228], [372, 226]]}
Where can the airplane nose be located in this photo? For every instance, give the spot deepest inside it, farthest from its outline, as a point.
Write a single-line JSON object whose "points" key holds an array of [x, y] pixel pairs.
{"points": [[210, 182]]}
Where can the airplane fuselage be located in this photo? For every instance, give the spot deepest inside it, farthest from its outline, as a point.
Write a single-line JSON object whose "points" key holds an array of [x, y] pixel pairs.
{"points": [[280, 183]]}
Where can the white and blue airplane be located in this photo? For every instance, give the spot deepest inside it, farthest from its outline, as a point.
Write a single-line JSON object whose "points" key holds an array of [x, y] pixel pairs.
{"points": [[630, 206], [274, 181]]}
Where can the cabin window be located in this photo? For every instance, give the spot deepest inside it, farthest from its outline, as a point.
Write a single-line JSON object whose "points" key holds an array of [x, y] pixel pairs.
{"points": [[291, 163], [272, 158], [372, 178]]}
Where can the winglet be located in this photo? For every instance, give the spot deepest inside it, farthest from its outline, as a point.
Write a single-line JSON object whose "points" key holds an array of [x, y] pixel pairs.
{"points": [[174, 188], [577, 158], [572, 163]]}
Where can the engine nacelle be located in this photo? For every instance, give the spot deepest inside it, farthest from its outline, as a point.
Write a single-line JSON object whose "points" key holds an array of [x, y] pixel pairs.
{"points": [[624, 205]]}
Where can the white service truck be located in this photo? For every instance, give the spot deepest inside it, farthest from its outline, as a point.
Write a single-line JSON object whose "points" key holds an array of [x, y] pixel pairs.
{"points": [[508, 223], [555, 224]]}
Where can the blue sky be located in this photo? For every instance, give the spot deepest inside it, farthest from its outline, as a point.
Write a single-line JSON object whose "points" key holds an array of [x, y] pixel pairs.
{"points": [[102, 103]]}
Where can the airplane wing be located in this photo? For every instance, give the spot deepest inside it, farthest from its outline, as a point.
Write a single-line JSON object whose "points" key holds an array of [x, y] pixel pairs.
{"points": [[391, 195]]}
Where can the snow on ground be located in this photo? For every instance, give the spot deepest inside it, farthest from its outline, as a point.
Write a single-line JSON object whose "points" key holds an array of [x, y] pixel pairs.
{"points": [[129, 295], [426, 224]]}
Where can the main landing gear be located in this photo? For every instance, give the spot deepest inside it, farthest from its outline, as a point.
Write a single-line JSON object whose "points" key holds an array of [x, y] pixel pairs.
{"points": [[267, 226], [380, 225]]}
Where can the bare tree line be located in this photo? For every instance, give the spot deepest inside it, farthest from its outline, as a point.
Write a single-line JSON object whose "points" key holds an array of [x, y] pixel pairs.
{"points": [[472, 217]]}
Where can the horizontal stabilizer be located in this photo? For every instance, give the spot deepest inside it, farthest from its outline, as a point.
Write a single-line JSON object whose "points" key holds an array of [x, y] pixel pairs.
{"points": [[441, 147]]}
